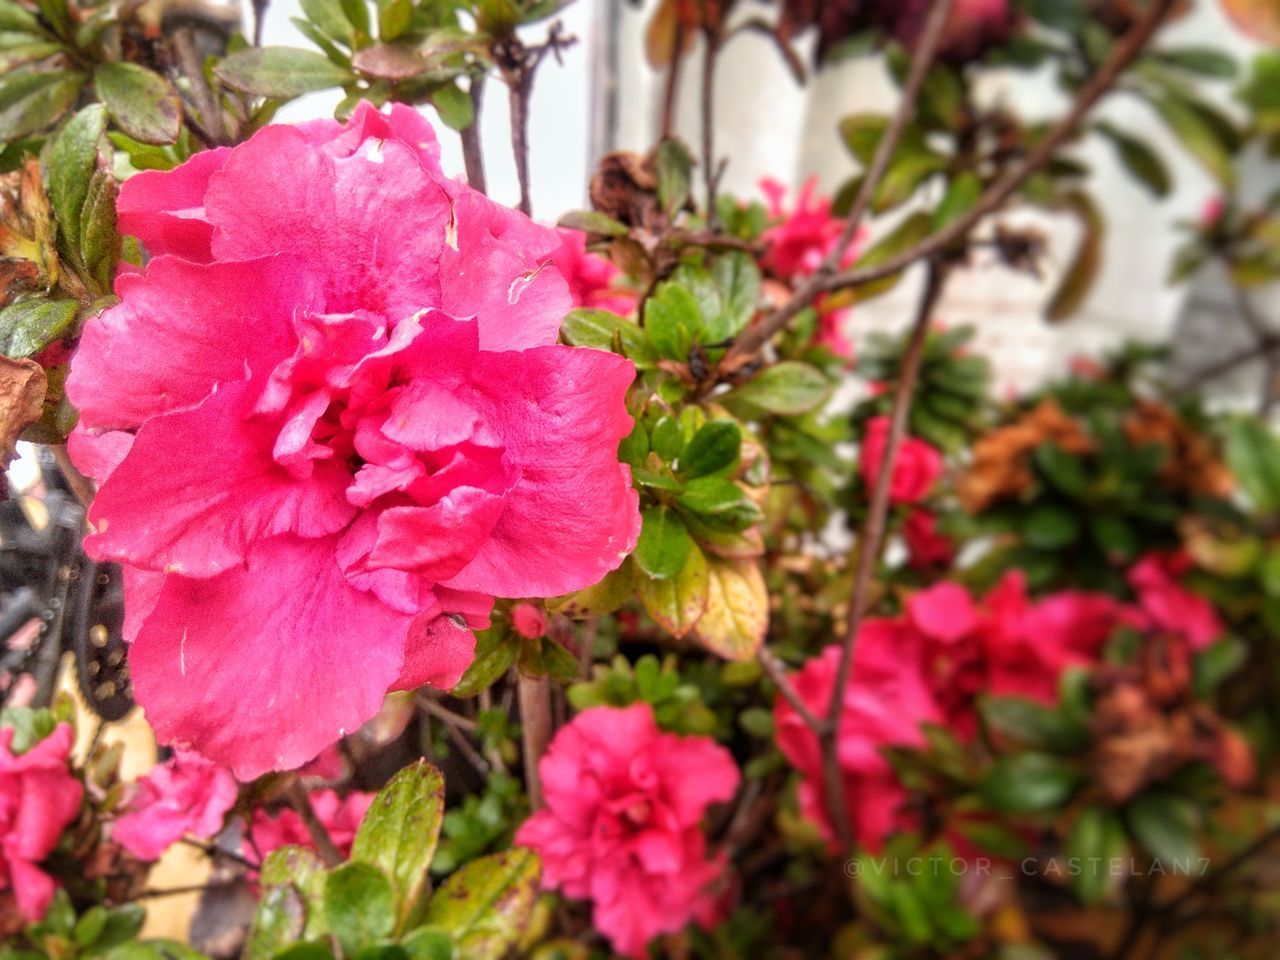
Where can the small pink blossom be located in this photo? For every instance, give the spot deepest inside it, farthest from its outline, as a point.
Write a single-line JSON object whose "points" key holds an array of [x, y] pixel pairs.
{"points": [[340, 816], [1212, 211], [1167, 605], [38, 798], [530, 621], [623, 823], [927, 549], [884, 705], [187, 795], [330, 424], [592, 279], [915, 469]]}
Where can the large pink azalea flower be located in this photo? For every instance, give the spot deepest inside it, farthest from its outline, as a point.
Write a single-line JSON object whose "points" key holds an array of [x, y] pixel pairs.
{"points": [[331, 424], [623, 823]]}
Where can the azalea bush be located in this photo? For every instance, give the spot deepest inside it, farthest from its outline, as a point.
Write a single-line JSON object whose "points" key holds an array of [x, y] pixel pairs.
{"points": [[607, 588]]}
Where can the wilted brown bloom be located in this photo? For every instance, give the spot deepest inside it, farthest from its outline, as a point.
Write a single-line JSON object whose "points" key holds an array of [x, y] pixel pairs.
{"points": [[1001, 459], [1191, 460], [625, 186]]}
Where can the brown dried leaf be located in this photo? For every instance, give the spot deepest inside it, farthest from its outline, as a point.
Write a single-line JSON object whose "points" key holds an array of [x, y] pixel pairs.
{"points": [[22, 387]]}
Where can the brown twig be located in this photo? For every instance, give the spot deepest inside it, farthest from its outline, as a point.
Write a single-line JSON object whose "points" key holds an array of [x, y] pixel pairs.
{"points": [[870, 540], [754, 338], [213, 851], [298, 799], [519, 64], [777, 672], [1122, 54], [472, 150], [534, 695], [672, 85], [80, 485], [710, 170]]}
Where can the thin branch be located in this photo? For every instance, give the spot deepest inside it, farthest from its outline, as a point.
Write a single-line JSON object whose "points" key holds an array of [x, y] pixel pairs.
{"points": [[213, 851], [777, 672], [534, 694], [328, 850], [756, 337], [1122, 54], [80, 485], [1256, 351], [472, 150], [870, 540], [673, 84], [710, 169]]}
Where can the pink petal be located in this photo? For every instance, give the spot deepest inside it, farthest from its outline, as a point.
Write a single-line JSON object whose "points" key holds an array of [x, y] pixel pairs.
{"points": [[561, 413], [437, 652], [165, 209], [944, 612], [263, 666], [221, 492]]}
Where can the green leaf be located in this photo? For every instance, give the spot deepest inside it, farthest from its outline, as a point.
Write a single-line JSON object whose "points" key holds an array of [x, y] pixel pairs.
{"points": [[400, 831], [677, 603], [1197, 129], [99, 246], [673, 321], [142, 103], [1114, 535], [30, 726], [664, 543], [495, 653], [962, 193], [454, 106], [1205, 61], [674, 167], [359, 905], [301, 869], [27, 327], [737, 279], [394, 17], [428, 944], [592, 221], [15, 17], [737, 615], [280, 72], [1096, 839], [1064, 470], [1031, 724], [1051, 527], [30, 102], [1165, 824], [279, 920], [667, 439], [73, 157], [720, 503], [1253, 453], [486, 905], [328, 16], [604, 330], [544, 657], [905, 235], [861, 133], [1086, 263], [715, 448], [1140, 159], [786, 388], [1028, 782]]}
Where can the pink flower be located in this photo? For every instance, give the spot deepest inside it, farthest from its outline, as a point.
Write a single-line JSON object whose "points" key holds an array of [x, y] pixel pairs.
{"points": [[530, 621], [623, 822], [802, 237], [1167, 605], [927, 548], [185, 795], [884, 704], [38, 798], [1212, 211], [591, 278], [330, 424], [341, 817], [915, 469]]}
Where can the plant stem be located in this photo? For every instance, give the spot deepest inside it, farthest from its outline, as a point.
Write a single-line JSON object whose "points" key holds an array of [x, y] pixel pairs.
{"points": [[710, 170], [870, 540], [534, 695], [472, 150], [1103, 79], [754, 338], [189, 61], [298, 799], [672, 85]]}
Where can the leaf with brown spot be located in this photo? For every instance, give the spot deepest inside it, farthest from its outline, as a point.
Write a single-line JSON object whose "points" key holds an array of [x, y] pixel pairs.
{"points": [[486, 905]]}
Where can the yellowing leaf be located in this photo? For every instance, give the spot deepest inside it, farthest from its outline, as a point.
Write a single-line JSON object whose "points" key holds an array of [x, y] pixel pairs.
{"points": [[678, 602], [737, 614], [605, 597]]}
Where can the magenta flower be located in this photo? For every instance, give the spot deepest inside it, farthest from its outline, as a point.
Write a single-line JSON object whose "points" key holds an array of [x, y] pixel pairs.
{"points": [[1167, 605], [38, 798], [186, 795], [331, 423], [340, 817], [916, 468], [591, 278], [623, 823]]}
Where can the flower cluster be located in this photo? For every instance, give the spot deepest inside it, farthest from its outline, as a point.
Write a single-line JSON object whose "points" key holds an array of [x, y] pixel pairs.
{"points": [[186, 795], [623, 822], [338, 375]]}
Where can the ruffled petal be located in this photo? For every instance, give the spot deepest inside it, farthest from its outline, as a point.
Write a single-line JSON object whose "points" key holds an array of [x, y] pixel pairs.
{"points": [[165, 209], [573, 516], [262, 667]]}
